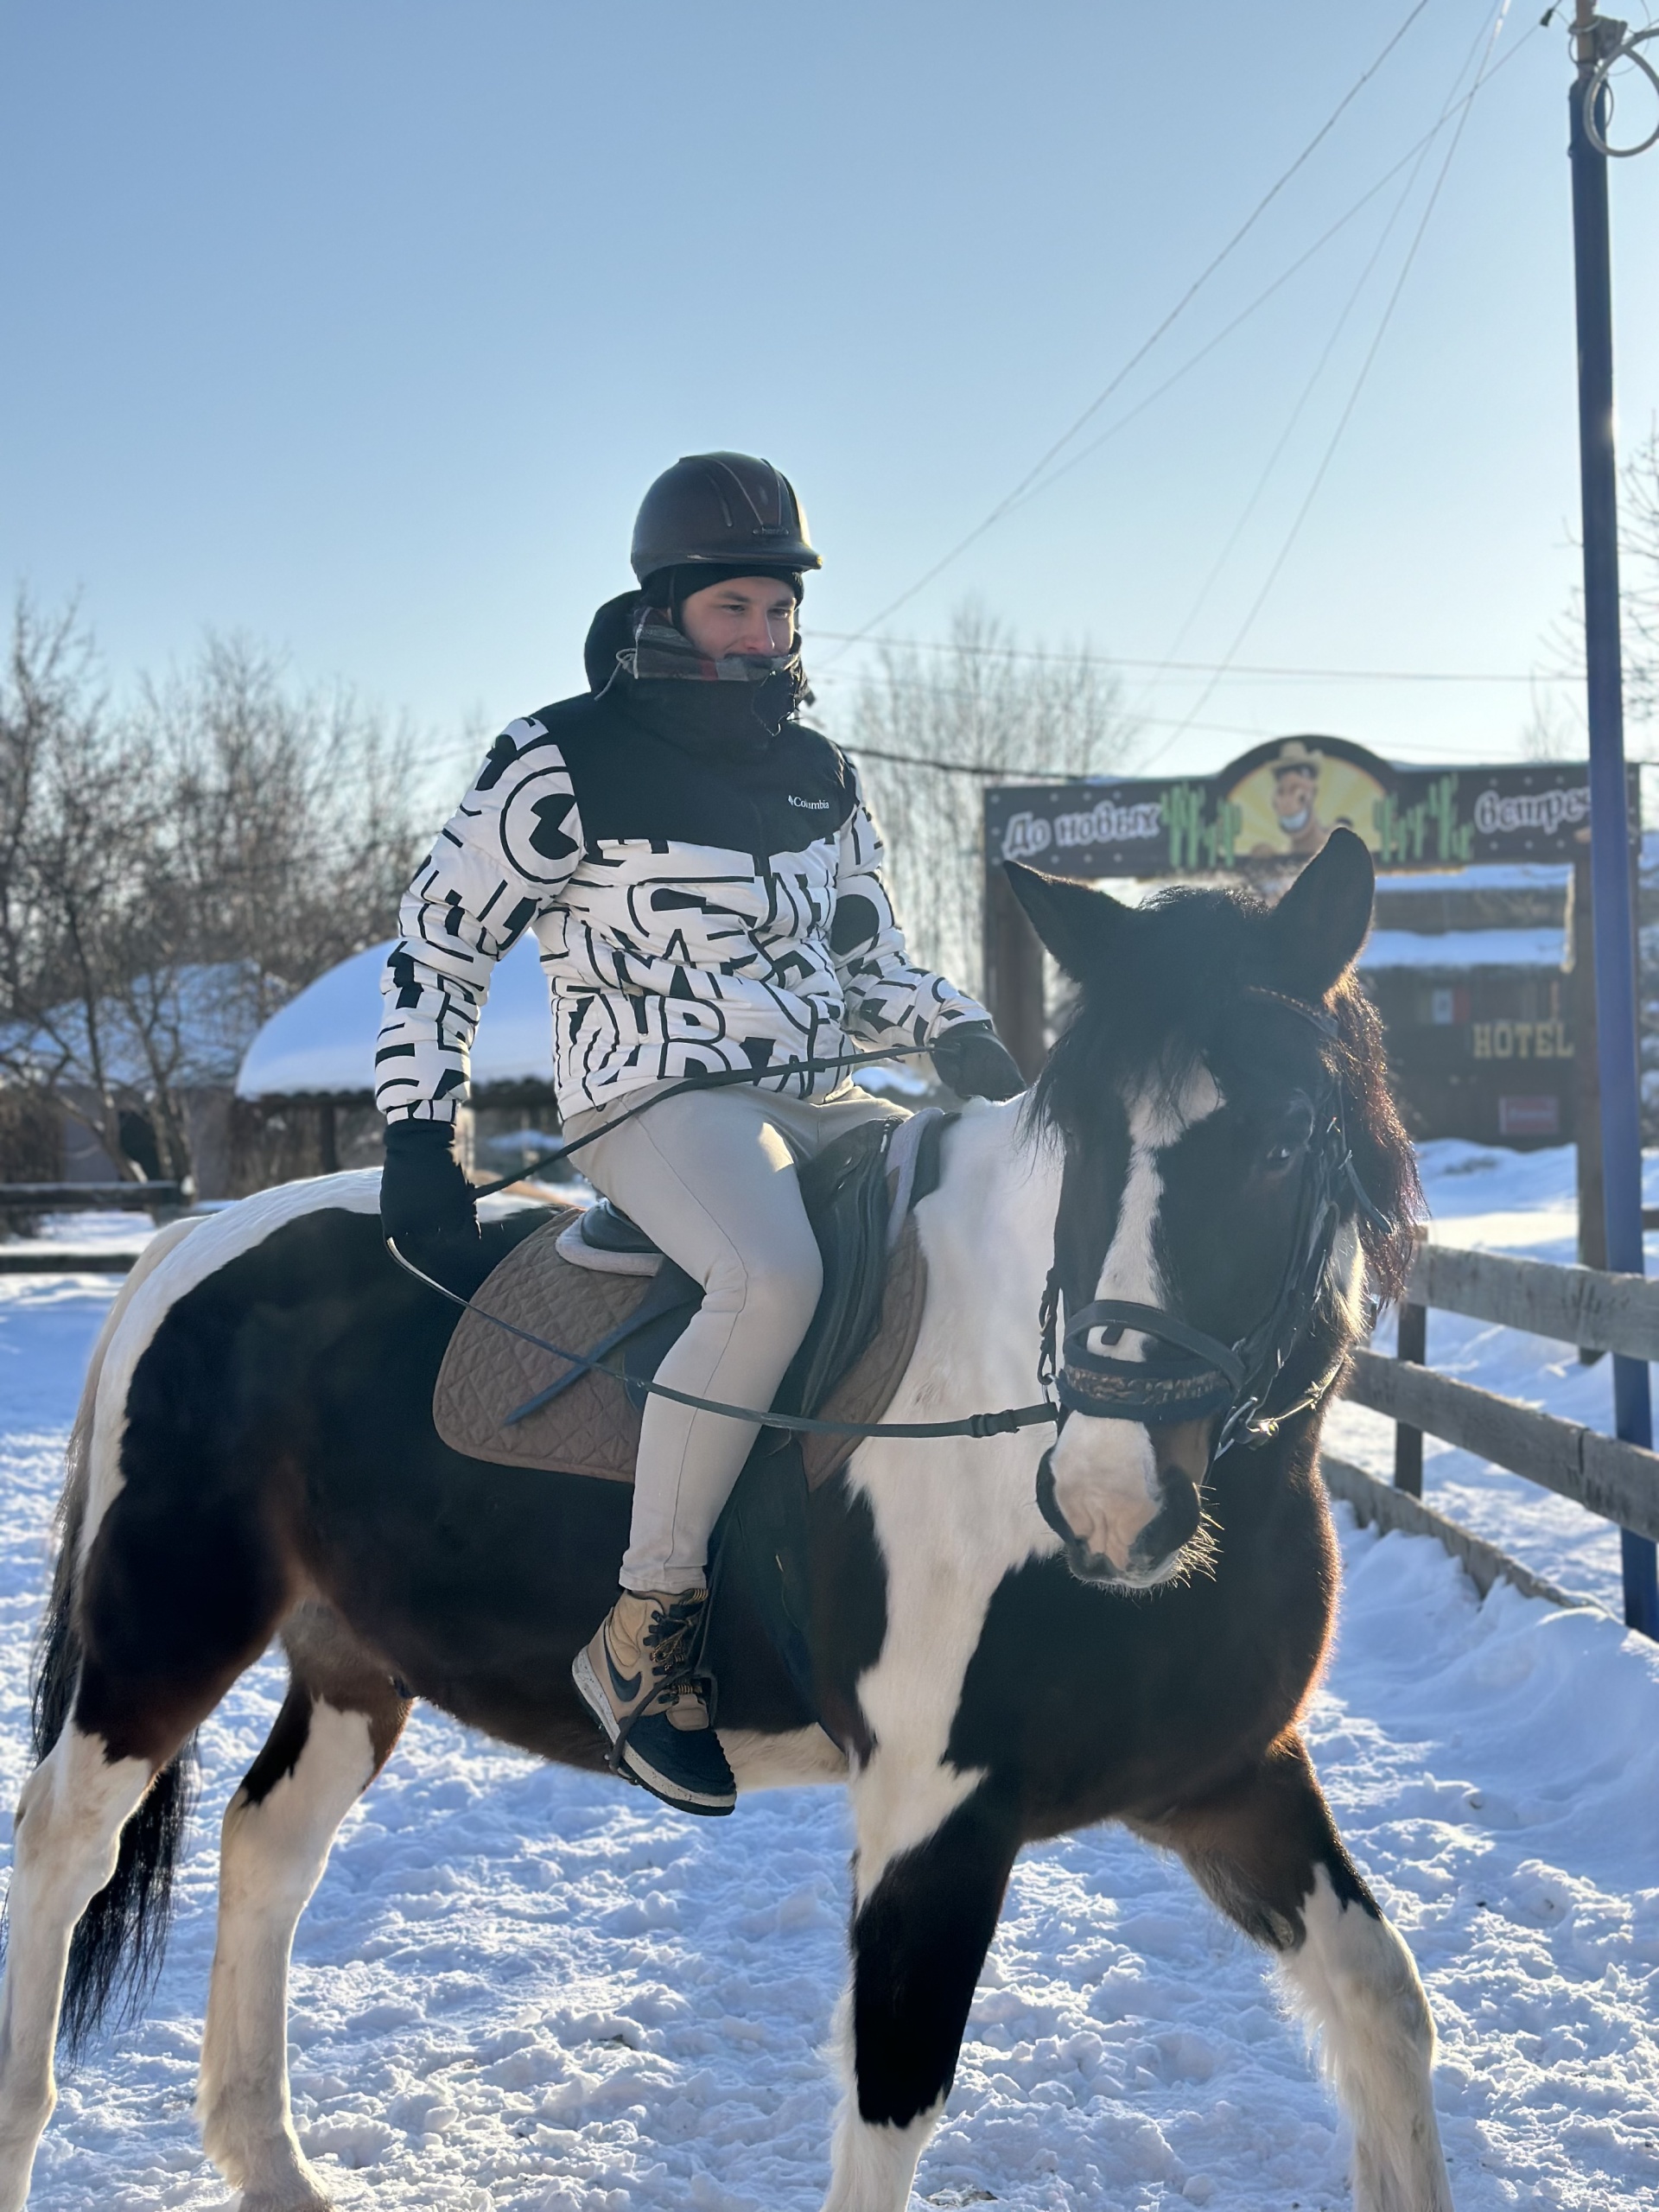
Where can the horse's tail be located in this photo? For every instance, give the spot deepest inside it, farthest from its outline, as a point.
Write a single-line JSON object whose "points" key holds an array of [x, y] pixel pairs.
{"points": [[117, 1951]]}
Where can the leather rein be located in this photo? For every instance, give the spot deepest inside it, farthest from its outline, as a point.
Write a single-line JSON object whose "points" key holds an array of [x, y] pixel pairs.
{"points": [[1197, 1375]]}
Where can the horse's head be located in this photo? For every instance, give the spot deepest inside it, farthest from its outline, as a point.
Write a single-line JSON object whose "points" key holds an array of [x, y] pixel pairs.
{"points": [[1219, 1067]]}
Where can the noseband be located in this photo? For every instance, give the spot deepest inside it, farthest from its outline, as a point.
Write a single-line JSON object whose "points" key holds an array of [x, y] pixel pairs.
{"points": [[1187, 1374]]}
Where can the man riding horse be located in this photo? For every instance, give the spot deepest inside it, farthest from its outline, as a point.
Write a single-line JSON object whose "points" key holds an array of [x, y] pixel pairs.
{"points": [[703, 879]]}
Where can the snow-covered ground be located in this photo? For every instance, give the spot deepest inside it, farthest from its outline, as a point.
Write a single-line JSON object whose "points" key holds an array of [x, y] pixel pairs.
{"points": [[521, 1990]]}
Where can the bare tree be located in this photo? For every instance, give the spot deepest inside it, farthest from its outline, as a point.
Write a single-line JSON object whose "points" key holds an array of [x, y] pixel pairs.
{"points": [[168, 874], [290, 829], [934, 726], [1640, 624]]}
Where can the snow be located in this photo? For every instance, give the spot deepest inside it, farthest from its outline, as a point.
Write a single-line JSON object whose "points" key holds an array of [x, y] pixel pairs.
{"points": [[1454, 950], [1485, 875], [1524, 1204], [523, 1990], [321, 1043]]}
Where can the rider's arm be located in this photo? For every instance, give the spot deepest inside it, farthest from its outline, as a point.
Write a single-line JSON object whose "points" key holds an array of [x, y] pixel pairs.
{"points": [[890, 1000], [501, 860]]}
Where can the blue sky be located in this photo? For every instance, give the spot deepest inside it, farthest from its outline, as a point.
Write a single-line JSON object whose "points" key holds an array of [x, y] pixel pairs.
{"points": [[361, 327]]}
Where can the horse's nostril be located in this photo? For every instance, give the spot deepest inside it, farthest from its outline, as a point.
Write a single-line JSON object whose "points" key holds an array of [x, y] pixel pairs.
{"points": [[1175, 1523]]}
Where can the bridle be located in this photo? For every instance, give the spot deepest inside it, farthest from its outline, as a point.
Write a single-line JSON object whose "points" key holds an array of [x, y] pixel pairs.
{"points": [[1189, 1375]]}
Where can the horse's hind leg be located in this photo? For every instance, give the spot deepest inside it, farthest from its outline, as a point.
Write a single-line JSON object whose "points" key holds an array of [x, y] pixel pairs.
{"points": [[338, 1724], [1268, 1852], [67, 1840]]}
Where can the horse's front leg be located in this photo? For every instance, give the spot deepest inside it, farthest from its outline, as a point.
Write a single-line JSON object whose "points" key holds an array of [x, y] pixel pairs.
{"points": [[1268, 1852], [922, 1923]]}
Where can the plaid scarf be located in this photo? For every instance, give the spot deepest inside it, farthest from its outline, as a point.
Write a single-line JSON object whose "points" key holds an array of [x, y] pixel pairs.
{"points": [[661, 650]]}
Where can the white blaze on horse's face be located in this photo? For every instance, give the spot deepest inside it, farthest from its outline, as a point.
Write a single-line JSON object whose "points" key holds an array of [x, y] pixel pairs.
{"points": [[1106, 1481]]}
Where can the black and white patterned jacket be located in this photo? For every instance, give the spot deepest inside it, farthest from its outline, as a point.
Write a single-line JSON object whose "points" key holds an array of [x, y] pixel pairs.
{"points": [[695, 910]]}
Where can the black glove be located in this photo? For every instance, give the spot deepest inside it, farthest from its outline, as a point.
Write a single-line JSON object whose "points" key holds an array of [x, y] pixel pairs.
{"points": [[972, 1060], [426, 1202]]}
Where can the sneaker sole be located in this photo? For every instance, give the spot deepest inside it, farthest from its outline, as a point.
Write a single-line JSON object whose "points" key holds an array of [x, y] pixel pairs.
{"points": [[673, 1793], [588, 1689], [638, 1769]]}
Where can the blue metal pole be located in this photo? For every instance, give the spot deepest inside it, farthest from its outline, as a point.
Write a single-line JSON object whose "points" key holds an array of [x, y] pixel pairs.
{"points": [[1609, 826]]}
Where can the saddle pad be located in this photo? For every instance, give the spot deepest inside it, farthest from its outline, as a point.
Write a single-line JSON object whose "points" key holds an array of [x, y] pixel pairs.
{"points": [[592, 1428]]}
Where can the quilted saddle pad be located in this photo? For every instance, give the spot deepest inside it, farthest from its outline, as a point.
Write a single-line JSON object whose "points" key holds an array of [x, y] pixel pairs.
{"points": [[593, 1428]]}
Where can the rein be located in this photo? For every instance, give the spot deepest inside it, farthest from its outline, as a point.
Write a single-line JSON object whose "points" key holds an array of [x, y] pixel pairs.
{"points": [[1198, 1377], [714, 1079], [1003, 1423]]}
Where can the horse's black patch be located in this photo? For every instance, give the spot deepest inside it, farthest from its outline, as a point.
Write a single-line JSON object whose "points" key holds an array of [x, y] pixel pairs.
{"points": [[279, 1446], [918, 1946], [284, 1748]]}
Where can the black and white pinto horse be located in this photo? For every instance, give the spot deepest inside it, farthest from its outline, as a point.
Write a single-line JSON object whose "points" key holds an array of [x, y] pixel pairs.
{"points": [[255, 1457]]}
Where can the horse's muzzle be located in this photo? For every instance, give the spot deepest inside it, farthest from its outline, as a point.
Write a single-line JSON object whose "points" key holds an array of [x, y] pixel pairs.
{"points": [[1155, 1554]]}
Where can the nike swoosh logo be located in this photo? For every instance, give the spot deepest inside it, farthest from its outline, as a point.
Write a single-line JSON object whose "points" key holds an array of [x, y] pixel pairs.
{"points": [[626, 1687]]}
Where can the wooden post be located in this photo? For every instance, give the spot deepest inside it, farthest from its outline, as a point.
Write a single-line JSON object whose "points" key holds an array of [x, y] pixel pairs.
{"points": [[1408, 1442], [327, 1144], [1013, 974]]}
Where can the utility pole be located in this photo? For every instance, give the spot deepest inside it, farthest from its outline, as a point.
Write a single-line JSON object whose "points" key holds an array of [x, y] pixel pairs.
{"points": [[1596, 40]]}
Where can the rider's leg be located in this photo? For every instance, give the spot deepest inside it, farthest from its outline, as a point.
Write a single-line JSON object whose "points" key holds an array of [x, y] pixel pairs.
{"points": [[711, 1178]]}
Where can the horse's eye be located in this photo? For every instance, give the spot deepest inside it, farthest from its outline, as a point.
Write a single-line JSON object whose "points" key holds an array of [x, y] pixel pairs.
{"points": [[1289, 1139]]}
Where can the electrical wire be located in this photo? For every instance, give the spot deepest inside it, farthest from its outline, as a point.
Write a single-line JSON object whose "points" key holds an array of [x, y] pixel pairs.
{"points": [[1270, 465], [1216, 261], [1365, 366], [1240, 670], [1057, 475]]}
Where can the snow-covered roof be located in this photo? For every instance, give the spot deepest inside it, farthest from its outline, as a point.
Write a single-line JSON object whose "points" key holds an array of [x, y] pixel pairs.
{"points": [[199, 1018], [1456, 950], [321, 1044], [1485, 875]]}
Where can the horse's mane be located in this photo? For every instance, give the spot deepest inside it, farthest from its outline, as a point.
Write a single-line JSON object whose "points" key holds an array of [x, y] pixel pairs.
{"points": [[1176, 995]]}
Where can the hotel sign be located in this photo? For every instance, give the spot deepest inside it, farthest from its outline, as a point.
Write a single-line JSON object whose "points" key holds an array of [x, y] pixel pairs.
{"points": [[1281, 801]]}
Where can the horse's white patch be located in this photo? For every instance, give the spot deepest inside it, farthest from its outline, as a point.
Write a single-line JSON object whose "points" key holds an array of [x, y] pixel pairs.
{"points": [[271, 1858], [762, 1762], [213, 1243], [1106, 1480], [69, 1822], [1356, 1986], [952, 1519], [872, 2167]]}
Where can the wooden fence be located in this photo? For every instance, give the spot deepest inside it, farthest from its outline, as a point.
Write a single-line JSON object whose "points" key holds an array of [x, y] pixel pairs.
{"points": [[1597, 1312], [30, 1259]]}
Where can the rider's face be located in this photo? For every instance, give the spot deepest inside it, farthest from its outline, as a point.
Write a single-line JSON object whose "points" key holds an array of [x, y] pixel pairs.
{"points": [[750, 614]]}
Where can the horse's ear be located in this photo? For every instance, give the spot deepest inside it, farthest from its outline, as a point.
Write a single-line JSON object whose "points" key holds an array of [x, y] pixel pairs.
{"points": [[1319, 926], [1082, 927]]}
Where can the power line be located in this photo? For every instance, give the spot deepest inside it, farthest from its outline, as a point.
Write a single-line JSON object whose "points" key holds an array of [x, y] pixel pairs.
{"points": [[1076, 460], [1140, 352], [1191, 667], [1346, 416], [1310, 386]]}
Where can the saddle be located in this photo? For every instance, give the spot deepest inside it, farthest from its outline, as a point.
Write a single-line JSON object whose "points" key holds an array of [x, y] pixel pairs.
{"points": [[592, 1283]]}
